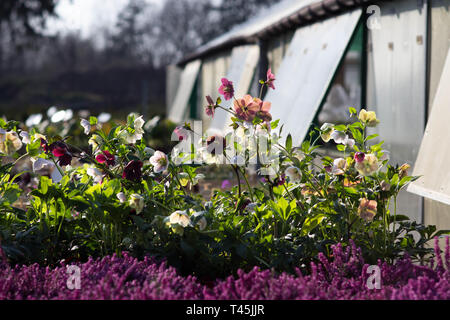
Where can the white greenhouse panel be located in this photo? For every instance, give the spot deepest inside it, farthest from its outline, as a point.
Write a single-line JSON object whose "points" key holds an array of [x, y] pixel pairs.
{"points": [[432, 162], [244, 60], [187, 81], [396, 86], [307, 70]]}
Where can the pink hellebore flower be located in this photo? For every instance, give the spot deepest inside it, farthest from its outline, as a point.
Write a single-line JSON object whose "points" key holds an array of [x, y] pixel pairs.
{"points": [[246, 108], [159, 161], [226, 89], [270, 79], [264, 108], [211, 107]]}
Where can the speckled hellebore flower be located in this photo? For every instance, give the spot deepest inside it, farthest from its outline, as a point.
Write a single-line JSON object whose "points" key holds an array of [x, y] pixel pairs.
{"points": [[369, 118], [159, 161], [226, 89], [181, 133], [270, 79], [86, 126], [246, 108], [132, 171], [368, 166], [106, 157], [9, 142], [339, 166], [294, 174], [367, 209], [326, 130], [136, 202]]}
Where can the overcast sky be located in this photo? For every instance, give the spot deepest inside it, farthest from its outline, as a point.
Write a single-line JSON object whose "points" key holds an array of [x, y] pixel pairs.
{"points": [[86, 16]]}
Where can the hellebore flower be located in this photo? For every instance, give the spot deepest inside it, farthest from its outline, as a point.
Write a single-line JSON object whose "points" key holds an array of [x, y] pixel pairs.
{"points": [[367, 209], [369, 118], [246, 108], [94, 141], [131, 138], [294, 174], [59, 149], [180, 132], [359, 156], [159, 161], [385, 186], [178, 220], [95, 174], [368, 166], [42, 165], [403, 170], [136, 202], [122, 197], [264, 108], [341, 138], [86, 125], [339, 166], [9, 142], [326, 130], [107, 157], [25, 137], [215, 144], [270, 79], [211, 107], [201, 222], [226, 89], [132, 170]]}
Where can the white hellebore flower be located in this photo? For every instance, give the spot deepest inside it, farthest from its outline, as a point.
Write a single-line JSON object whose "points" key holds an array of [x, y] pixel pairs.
{"points": [[138, 131], [25, 137], [137, 202], [294, 174], [95, 173], [9, 142], [86, 125], [41, 164], [121, 196], [159, 161], [326, 130]]}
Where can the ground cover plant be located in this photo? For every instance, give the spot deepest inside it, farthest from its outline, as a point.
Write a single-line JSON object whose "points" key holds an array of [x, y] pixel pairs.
{"points": [[119, 195]]}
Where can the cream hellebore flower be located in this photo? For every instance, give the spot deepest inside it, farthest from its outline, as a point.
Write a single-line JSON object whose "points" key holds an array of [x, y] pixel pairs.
{"points": [[368, 166], [201, 223], [122, 197], [178, 220], [95, 174], [294, 174], [367, 209], [136, 202], [326, 130], [86, 125], [368, 117], [298, 153], [138, 131], [339, 166], [159, 161], [25, 137], [9, 142]]}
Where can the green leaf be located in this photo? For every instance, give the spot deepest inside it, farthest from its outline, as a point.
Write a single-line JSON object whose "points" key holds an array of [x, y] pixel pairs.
{"points": [[352, 110], [93, 121], [312, 222], [289, 143]]}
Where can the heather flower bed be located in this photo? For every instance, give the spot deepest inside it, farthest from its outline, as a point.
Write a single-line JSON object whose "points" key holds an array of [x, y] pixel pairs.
{"points": [[344, 277]]}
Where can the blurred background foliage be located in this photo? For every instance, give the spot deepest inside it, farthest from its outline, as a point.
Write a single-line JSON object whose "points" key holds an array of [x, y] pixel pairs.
{"points": [[118, 69]]}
